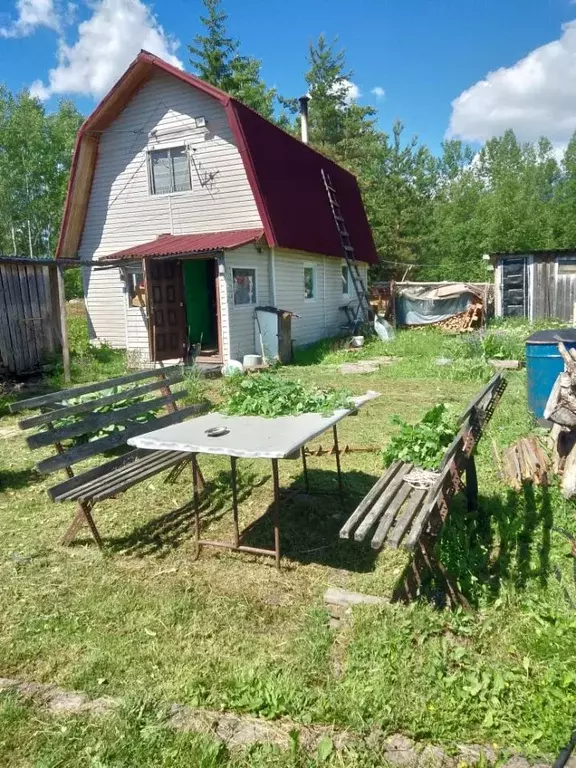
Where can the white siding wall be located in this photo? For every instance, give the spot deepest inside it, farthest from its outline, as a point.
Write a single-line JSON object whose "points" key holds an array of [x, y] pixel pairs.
{"points": [[121, 212], [319, 317], [240, 326]]}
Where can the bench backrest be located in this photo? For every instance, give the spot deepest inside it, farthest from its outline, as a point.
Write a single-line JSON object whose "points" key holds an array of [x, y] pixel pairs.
{"points": [[86, 415]]}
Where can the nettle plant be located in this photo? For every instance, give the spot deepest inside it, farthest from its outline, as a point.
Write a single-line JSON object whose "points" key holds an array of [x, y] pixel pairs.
{"points": [[266, 394], [425, 442]]}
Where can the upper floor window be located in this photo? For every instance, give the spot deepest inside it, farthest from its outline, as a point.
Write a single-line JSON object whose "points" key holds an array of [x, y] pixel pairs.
{"points": [[345, 281], [309, 282], [169, 171]]}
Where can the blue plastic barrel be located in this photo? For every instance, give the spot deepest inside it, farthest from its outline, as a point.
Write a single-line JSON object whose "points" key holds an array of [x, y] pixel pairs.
{"points": [[543, 364]]}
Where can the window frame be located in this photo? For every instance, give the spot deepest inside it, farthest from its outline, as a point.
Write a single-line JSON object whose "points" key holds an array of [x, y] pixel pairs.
{"points": [[244, 267], [167, 148], [130, 279], [309, 265], [567, 260], [347, 268]]}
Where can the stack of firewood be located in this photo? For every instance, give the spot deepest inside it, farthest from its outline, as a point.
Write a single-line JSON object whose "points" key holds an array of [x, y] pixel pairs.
{"points": [[524, 462], [464, 321], [561, 411]]}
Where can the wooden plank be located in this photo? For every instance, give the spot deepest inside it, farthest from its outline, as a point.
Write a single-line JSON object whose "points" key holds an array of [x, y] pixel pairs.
{"points": [[373, 516], [456, 444], [14, 314], [27, 315], [64, 394], [403, 522], [82, 452], [390, 515], [93, 422], [430, 502], [38, 328], [368, 500], [142, 473], [6, 342], [145, 458], [61, 491], [71, 410], [63, 324]]}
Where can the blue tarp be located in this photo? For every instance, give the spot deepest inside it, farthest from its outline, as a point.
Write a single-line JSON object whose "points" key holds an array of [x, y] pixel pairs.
{"points": [[412, 311]]}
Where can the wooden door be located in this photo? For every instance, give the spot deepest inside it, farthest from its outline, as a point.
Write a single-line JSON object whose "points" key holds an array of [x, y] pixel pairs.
{"points": [[167, 317]]}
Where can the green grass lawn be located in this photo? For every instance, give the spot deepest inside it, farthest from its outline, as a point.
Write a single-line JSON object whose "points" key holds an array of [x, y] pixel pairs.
{"points": [[149, 624]]}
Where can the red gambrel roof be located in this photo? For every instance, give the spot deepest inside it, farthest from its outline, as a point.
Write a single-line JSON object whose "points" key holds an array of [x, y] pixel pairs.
{"points": [[177, 245], [284, 174]]}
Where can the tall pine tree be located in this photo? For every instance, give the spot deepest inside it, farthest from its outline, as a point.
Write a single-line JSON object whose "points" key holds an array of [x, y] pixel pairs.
{"points": [[216, 58]]}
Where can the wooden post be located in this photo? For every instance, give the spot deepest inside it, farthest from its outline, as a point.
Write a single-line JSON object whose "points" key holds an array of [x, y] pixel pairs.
{"points": [[63, 324]]}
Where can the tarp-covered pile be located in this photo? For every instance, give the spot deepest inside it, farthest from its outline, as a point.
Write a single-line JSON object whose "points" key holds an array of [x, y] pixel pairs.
{"points": [[455, 306]]}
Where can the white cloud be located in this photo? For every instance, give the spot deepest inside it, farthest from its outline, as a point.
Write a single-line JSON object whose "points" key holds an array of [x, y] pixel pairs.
{"points": [[535, 97], [351, 91], [31, 15], [378, 91], [107, 42]]}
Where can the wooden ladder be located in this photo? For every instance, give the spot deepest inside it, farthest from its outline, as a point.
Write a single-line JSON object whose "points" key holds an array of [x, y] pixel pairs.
{"points": [[363, 307]]}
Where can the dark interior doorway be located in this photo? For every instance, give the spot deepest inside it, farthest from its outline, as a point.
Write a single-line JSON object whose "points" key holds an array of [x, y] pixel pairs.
{"points": [[200, 277]]}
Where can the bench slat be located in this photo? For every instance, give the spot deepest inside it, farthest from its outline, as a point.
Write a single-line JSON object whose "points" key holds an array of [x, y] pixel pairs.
{"points": [[368, 500], [81, 452], [59, 492], [85, 389], [421, 520], [139, 473], [390, 514], [403, 522], [92, 422], [71, 410], [377, 509]]}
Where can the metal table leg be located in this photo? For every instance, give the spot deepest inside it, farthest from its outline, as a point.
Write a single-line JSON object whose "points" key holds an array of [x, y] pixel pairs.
{"points": [[305, 468], [276, 512], [233, 462], [338, 465], [195, 481]]}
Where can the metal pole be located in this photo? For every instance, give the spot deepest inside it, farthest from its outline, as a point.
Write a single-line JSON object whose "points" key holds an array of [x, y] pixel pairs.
{"points": [[305, 468], [338, 465], [196, 503], [233, 461], [276, 512]]}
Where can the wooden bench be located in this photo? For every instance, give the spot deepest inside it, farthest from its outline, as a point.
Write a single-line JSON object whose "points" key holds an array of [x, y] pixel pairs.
{"points": [[397, 514], [72, 425]]}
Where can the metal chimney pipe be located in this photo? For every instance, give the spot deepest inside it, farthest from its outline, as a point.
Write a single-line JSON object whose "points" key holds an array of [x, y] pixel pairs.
{"points": [[304, 118]]}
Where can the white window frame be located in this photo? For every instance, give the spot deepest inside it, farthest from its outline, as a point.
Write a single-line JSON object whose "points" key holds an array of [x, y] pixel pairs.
{"points": [[309, 265], [250, 304], [161, 147], [347, 268], [128, 275]]}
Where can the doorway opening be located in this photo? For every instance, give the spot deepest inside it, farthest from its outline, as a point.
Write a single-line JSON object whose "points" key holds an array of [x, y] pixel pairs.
{"points": [[202, 305]]}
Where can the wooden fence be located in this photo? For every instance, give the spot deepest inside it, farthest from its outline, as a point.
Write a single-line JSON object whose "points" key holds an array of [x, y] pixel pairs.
{"points": [[29, 313]]}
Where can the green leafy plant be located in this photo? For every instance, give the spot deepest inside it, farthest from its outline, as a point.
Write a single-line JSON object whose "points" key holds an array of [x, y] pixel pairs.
{"points": [[425, 442], [266, 394]]}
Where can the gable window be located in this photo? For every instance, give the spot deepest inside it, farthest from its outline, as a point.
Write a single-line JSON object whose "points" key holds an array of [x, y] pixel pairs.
{"points": [[345, 281], [136, 288], [309, 282], [244, 283], [169, 170]]}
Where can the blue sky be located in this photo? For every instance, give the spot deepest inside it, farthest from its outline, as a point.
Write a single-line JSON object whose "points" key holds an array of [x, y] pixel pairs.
{"points": [[425, 54]]}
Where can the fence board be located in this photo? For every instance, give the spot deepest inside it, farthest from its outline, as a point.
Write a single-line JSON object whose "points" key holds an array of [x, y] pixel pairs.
{"points": [[6, 352], [26, 318]]}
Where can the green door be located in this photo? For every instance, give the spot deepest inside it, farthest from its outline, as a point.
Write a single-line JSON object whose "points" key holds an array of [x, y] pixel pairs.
{"points": [[199, 292]]}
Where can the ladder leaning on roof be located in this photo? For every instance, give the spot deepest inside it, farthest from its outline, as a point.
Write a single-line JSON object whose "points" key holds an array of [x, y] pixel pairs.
{"points": [[363, 309]]}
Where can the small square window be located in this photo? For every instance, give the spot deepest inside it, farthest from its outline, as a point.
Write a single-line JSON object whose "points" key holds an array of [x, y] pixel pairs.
{"points": [[309, 282], [244, 282], [345, 281], [169, 171], [136, 289]]}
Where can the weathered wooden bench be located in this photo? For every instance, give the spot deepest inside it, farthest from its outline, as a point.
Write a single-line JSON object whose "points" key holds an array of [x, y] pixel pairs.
{"points": [[74, 426], [397, 514]]}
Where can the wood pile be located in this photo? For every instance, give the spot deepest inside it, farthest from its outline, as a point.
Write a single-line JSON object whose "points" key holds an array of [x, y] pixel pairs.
{"points": [[524, 462], [561, 411], [464, 321]]}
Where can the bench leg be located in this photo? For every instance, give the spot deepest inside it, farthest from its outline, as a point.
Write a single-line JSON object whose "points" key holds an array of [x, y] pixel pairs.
{"points": [[82, 517], [338, 464], [471, 485]]}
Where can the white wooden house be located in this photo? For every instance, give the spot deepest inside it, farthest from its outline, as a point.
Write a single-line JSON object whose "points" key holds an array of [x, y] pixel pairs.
{"points": [[199, 210]]}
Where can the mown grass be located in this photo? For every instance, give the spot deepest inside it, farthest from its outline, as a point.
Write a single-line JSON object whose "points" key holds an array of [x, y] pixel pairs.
{"points": [[147, 622]]}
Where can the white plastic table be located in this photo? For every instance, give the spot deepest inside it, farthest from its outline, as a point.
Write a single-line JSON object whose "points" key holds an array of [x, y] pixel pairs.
{"points": [[248, 437]]}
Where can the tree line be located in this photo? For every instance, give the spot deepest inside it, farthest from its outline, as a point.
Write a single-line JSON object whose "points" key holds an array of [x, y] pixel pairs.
{"points": [[433, 215]]}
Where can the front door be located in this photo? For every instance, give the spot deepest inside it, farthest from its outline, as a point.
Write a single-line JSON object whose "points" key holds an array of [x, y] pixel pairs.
{"points": [[167, 316]]}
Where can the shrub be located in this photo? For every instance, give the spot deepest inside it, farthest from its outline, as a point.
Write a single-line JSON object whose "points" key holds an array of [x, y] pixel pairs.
{"points": [[424, 443]]}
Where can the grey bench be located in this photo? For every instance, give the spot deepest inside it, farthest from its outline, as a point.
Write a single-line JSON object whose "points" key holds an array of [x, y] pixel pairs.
{"points": [[396, 514], [69, 427]]}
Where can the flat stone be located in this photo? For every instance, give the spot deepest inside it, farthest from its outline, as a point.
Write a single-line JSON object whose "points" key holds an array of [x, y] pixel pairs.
{"points": [[7, 683], [356, 368], [443, 361], [476, 753], [242, 731], [334, 596], [434, 757], [510, 365], [516, 761], [67, 702], [400, 750]]}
